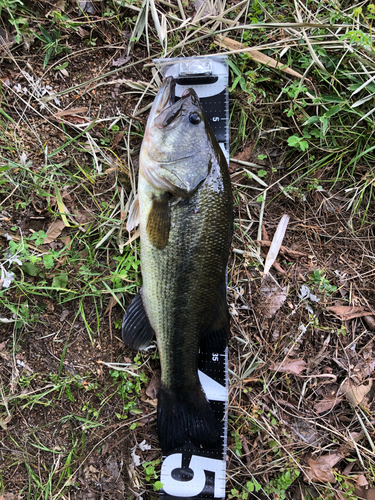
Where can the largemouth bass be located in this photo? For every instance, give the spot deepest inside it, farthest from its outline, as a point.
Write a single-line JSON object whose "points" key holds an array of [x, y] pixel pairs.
{"points": [[185, 210]]}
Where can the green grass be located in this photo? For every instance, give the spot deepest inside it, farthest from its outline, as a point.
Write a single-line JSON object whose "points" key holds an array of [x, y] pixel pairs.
{"points": [[307, 145]]}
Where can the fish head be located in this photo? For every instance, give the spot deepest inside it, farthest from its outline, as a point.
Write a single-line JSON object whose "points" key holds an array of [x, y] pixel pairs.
{"points": [[176, 152]]}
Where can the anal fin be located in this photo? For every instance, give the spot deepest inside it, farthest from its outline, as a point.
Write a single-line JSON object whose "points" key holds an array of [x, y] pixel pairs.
{"points": [[159, 221], [215, 338], [136, 332]]}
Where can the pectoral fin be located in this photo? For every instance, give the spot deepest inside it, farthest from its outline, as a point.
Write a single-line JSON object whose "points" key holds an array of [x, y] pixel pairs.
{"points": [[134, 217], [137, 332], [215, 338], [159, 221]]}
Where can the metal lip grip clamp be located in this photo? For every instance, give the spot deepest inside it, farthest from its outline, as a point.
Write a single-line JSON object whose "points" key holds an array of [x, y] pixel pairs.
{"points": [[188, 472]]}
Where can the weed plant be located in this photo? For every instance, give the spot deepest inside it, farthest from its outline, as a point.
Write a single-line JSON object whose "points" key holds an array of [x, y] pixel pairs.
{"points": [[75, 88]]}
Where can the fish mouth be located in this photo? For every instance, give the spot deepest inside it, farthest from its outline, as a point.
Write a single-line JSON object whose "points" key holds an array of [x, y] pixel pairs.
{"points": [[164, 98]]}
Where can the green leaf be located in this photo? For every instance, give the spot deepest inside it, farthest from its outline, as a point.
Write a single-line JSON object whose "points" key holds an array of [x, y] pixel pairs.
{"points": [[38, 237], [324, 121], [250, 486], [63, 66], [60, 281], [47, 56], [293, 140], [47, 36], [312, 119], [234, 68], [48, 261], [68, 393], [235, 82], [332, 98], [332, 111], [30, 269], [243, 84], [158, 485]]}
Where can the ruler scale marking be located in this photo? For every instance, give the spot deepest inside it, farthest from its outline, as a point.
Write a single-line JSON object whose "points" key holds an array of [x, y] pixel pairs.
{"points": [[189, 472]]}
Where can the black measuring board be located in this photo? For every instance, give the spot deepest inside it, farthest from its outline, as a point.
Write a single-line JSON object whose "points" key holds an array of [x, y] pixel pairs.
{"points": [[215, 106], [188, 471]]}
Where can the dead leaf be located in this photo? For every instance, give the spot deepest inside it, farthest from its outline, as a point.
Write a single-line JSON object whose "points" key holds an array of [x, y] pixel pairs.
{"points": [[355, 394], [321, 468], [151, 402], [116, 140], [76, 119], [327, 403], [362, 370], [86, 6], [361, 480], [49, 306], [35, 205], [265, 234], [284, 250], [67, 198], [3, 424], [64, 315], [54, 231], [3, 345], [349, 312], [69, 112], [84, 218], [58, 7], [279, 269], [121, 61], [255, 54], [370, 321], [292, 366], [153, 387], [364, 494], [274, 297], [348, 469], [304, 430], [67, 240], [112, 302], [243, 155], [81, 218]]}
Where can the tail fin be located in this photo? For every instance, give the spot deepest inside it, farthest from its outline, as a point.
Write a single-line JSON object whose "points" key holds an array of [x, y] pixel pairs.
{"points": [[186, 417]]}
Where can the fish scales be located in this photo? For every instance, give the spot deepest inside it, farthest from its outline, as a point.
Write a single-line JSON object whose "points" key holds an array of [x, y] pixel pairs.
{"points": [[182, 306], [185, 211]]}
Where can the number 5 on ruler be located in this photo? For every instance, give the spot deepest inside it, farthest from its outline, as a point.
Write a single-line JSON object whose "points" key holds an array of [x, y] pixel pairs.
{"points": [[196, 485]]}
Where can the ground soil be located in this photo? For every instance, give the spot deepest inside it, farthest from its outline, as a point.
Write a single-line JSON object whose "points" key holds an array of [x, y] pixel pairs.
{"points": [[323, 235]]}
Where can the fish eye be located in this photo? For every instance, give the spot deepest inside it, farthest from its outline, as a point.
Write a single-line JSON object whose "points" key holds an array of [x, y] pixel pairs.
{"points": [[194, 118]]}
